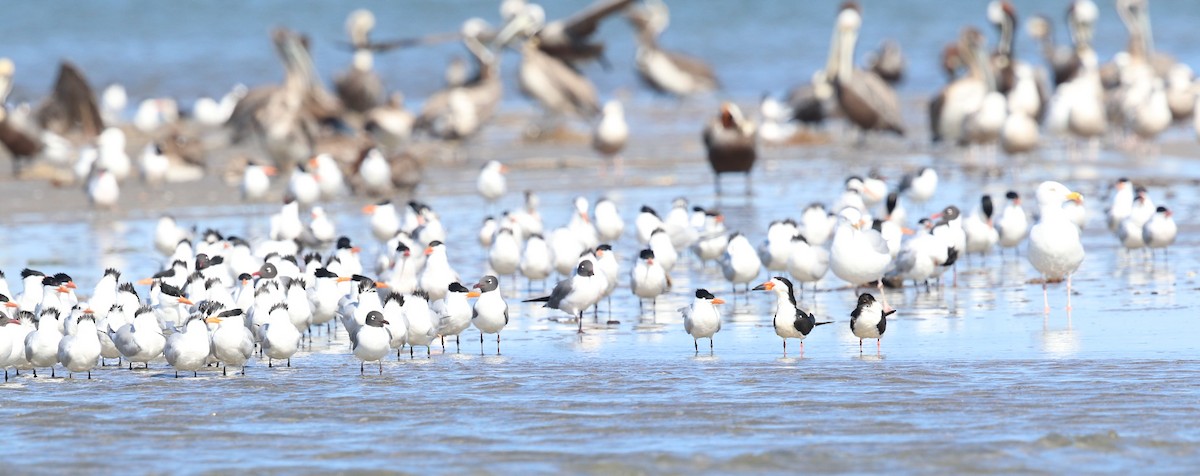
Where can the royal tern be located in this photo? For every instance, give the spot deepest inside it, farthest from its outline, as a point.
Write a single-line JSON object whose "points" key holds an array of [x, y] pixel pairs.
{"points": [[256, 181], [384, 222], [1121, 204], [664, 250], [489, 314], [679, 225], [280, 338], [702, 319], [921, 186], [453, 313], [330, 181], [103, 190], [487, 231], [1159, 231], [1130, 229], [1013, 225], [437, 275], [711, 243], [648, 279], [869, 320], [646, 222], [79, 350], [789, 320], [421, 322], [610, 134], [858, 256], [141, 340], [393, 312], [10, 338], [232, 342], [41, 345], [188, 350], [817, 224], [980, 228], [303, 187]]}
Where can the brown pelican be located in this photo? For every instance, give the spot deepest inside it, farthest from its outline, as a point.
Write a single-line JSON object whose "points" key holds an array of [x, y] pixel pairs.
{"points": [[732, 144], [1063, 61], [458, 112], [390, 124], [863, 97], [284, 118], [558, 87], [1077, 106], [812, 103], [22, 139], [887, 62], [1003, 15], [360, 89], [963, 96], [666, 71], [72, 105], [566, 39]]}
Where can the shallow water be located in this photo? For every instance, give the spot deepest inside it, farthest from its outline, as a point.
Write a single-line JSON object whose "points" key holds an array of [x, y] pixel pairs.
{"points": [[972, 378]]}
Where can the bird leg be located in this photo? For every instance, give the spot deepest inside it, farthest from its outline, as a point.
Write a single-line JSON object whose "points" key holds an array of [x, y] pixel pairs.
{"points": [[883, 296], [580, 322], [696, 344], [1068, 293], [878, 345], [410, 353], [361, 366], [1045, 299], [497, 343], [443, 342], [176, 374], [860, 346], [51, 372], [289, 364], [710, 345], [785, 348], [380, 366], [458, 342], [269, 365], [225, 371]]}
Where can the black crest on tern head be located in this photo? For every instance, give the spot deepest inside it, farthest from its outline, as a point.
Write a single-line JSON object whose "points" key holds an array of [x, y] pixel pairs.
{"points": [[25, 273], [343, 243], [1011, 195], [457, 288], [646, 254], [704, 294]]}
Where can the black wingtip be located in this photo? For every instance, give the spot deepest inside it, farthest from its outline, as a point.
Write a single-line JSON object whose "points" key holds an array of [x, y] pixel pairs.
{"points": [[541, 299]]}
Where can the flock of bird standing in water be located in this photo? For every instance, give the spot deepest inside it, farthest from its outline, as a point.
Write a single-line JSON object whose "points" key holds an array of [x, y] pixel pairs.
{"points": [[221, 299]]}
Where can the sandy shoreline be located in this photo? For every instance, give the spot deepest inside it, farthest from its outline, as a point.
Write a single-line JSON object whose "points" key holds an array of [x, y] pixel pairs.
{"points": [[664, 149]]}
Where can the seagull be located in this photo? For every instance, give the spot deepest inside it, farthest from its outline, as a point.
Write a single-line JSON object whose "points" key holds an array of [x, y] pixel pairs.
{"points": [[103, 190], [79, 350], [921, 186], [1013, 225], [869, 320], [490, 312], [536, 262], [453, 313], [303, 186], [1159, 231], [189, 349], [790, 321], [609, 225], [702, 319], [807, 263], [504, 256], [370, 343], [740, 263], [817, 224], [491, 182], [775, 250], [858, 256], [610, 134], [575, 294], [648, 279], [154, 164], [1055, 249]]}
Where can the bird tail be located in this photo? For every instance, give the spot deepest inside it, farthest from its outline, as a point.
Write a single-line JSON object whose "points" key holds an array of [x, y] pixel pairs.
{"points": [[541, 299]]}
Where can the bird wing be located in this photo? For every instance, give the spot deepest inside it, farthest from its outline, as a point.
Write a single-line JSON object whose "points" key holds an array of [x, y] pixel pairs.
{"points": [[876, 91], [877, 242], [693, 66], [586, 21]]}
